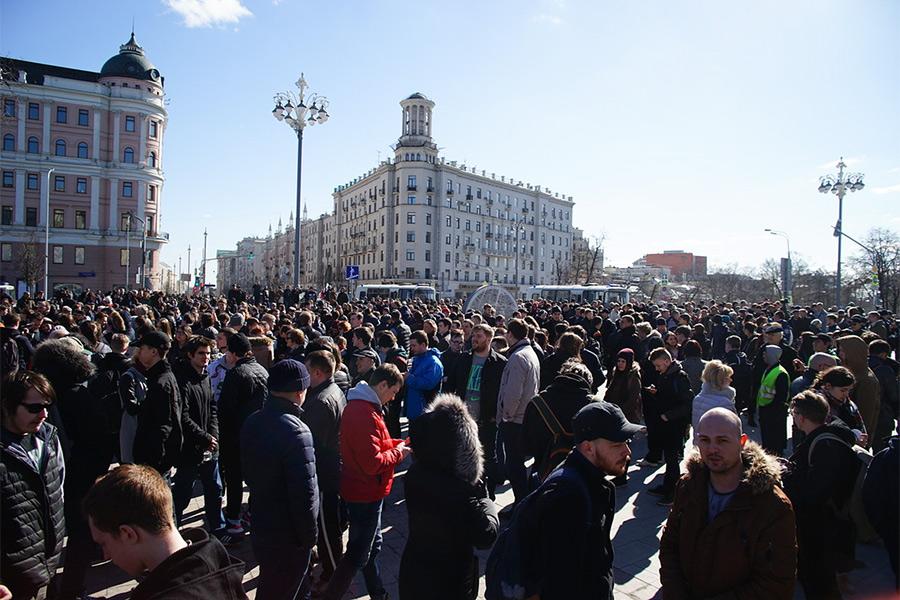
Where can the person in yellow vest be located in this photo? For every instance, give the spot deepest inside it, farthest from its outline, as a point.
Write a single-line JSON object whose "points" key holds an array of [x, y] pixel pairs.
{"points": [[772, 400]]}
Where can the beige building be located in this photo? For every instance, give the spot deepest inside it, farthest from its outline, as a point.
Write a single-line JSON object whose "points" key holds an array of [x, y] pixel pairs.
{"points": [[89, 145], [418, 218]]}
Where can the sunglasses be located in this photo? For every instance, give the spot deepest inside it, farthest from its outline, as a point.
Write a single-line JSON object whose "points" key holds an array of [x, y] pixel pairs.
{"points": [[36, 408]]}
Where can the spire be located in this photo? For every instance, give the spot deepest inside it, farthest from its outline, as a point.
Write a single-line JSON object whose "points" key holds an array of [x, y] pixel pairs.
{"points": [[131, 47]]}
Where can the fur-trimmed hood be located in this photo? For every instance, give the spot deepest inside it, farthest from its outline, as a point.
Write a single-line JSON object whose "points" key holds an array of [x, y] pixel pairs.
{"points": [[762, 471], [445, 438], [61, 363]]}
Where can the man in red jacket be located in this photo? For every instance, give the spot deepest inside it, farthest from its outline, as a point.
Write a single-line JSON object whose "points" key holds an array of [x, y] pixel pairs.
{"points": [[368, 456]]}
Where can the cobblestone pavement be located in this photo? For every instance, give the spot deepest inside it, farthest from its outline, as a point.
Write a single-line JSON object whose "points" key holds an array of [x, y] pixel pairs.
{"points": [[636, 530]]}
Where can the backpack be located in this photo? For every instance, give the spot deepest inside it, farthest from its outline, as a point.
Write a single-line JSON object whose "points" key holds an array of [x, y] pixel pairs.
{"points": [[9, 357], [559, 447], [105, 388], [853, 509], [513, 570]]}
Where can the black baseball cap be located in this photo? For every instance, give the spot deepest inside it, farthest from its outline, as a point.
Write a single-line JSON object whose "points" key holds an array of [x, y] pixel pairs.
{"points": [[153, 339], [602, 420], [288, 375]]}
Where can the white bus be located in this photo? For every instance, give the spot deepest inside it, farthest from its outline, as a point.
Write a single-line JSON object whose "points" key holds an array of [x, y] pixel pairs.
{"points": [[396, 292], [579, 293]]}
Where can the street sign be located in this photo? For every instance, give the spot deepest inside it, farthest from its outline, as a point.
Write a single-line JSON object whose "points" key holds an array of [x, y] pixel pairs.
{"points": [[352, 272], [87, 274]]}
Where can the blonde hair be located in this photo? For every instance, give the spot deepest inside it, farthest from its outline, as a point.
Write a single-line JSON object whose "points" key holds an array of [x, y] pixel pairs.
{"points": [[716, 374]]}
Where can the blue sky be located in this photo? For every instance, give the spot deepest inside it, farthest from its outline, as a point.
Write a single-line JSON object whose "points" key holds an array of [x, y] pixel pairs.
{"points": [[674, 125]]}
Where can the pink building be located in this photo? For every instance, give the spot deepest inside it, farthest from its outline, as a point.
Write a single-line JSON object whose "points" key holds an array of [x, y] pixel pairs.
{"points": [[89, 145], [683, 264]]}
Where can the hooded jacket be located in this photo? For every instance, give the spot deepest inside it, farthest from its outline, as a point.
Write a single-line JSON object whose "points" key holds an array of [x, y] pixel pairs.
{"points": [[624, 390], [368, 454], [157, 441], [449, 511], [243, 393], [748, 551], [566, 395], [867, 391], [423, 381], [203, 569]]}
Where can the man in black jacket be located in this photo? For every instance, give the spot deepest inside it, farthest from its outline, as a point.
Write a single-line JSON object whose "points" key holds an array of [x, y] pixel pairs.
{"points": [[199, 456], [278, 458], [243, 393], [157, 441], [476, 379], [322, 414], [130, 515], [625, 337], [31, 492]]}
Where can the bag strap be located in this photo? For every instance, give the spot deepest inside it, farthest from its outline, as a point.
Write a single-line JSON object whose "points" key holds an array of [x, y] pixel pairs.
{"points": [[548, 416], [823, 436]]}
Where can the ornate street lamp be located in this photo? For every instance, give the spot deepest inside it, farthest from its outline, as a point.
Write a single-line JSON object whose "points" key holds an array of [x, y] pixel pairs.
{"points": [[839, 186], [298, 111]]}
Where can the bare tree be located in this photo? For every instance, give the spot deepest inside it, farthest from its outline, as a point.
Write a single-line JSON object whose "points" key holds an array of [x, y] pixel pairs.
{"points": [[29, 262], [878, 269]]}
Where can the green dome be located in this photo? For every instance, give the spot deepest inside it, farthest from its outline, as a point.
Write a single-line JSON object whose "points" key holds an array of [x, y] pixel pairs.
{"points": [[130, 62]]}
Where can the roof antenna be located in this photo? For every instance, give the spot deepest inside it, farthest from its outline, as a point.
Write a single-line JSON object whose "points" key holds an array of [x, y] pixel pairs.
{"points": [[132, 25]]}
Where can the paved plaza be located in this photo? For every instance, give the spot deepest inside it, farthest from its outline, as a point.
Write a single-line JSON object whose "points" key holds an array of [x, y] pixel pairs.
{"points": [[636, 530]]}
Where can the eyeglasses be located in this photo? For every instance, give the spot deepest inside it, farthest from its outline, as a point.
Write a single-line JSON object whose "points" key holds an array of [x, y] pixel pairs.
{"points": [[36, 408]]}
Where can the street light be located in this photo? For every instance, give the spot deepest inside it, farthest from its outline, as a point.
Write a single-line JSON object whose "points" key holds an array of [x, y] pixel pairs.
{"points": [[788, 277], [47, 239], [131, 215], [298, 111], [839, 186], [518, 229]]}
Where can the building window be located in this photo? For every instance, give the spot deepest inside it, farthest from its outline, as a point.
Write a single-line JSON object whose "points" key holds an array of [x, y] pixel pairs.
{"points": [[6, 252], [59, 183], [410, 236], [468, 225], [7, 218], [34, 111], [446, 257], [80, 219], [62, 114], [33, 145], [427, 237], [129, 123], [32, 181], [153, 126], [81, 185], [411, 199], [9, 108], [448, 239], [123, 257], [127, 189], [152, 159], [128, 155], [448, 221], [59, 218], [84, 117], [125, 222], [149, 225], [79, 255], [411, 182], [428, 256], [82, 150], [9, 142], [411, 218], [151, 193], [60, 147], [410, 255], [31, 216], [9, 179]]}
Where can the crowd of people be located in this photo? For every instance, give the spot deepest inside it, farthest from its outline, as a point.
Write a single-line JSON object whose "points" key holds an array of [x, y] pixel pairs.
{"points": [[114, 405]]}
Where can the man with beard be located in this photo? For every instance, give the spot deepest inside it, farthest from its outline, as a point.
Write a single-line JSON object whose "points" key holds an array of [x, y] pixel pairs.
{"points": [[731, 530]]}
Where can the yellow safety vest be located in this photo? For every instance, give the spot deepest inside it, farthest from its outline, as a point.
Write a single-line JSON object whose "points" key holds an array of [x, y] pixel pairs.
{"points": [[767, 387]]}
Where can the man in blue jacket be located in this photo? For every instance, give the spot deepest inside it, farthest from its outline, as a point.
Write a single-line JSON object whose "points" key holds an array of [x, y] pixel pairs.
{"points": [[279, 464], [423, 380]]}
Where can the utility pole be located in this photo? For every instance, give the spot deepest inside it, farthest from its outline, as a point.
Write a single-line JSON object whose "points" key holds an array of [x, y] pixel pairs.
{"points": [[203, 265], [189, 263]]}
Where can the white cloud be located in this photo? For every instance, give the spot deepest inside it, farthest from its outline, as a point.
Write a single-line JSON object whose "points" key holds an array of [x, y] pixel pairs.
{"points": [[554, 20], [886, 190], [206, 13]]}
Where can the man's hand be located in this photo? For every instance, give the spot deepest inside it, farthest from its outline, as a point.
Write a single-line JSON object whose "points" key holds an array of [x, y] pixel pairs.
{"points": [[664, 418], [213, 444], [5, 594]]}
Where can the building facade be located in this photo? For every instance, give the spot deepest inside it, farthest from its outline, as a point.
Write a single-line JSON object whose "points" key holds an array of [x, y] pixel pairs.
{"points": [[89, 146], [683, 264]]}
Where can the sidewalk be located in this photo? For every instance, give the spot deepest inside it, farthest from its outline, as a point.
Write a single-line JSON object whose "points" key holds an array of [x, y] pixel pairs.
{"points": [[636, 530]]}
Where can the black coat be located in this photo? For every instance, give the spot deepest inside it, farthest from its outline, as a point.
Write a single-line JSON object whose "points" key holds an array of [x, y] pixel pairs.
{"points": [[458, 380], [31, 513], [203, 569], [199, 416], [565, 396], [322, 414], [623, 338], [449, 511], [279, 465], [243, 392], [157, 442]]}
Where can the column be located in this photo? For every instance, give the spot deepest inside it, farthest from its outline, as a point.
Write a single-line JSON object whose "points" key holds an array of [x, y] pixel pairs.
{"points": [[20, 131], [95, 143], [117, 128], [143, 155], [113, 205], [19, 218], [44, 209], [95, 203], [48, 105]]}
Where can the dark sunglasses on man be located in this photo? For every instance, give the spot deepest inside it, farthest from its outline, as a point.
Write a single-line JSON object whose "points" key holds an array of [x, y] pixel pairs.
{"points": [[37, 408]]}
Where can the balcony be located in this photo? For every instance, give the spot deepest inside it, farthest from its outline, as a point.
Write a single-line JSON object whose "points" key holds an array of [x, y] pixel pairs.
{"points": [[525, 210], [489, 201], [488, 235], [469, 248], [430, 189], [468, 196], [411, 188], [449, 192]]}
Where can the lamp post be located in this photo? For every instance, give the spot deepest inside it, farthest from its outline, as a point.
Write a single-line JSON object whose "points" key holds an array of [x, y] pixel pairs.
{"points": [[47, 239], [131, 215], [518, 229], [839, 186], [788, 277], [298, 111]]}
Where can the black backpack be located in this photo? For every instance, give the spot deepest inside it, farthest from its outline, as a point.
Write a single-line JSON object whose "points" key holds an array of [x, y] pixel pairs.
{"points": [[559, 447], [9, 357], [105, 388], [513, 569]]}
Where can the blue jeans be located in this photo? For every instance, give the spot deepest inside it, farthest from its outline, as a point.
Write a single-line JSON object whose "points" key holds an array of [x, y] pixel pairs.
{"points": [[363, 546], [511, 457], [208, 473]]}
